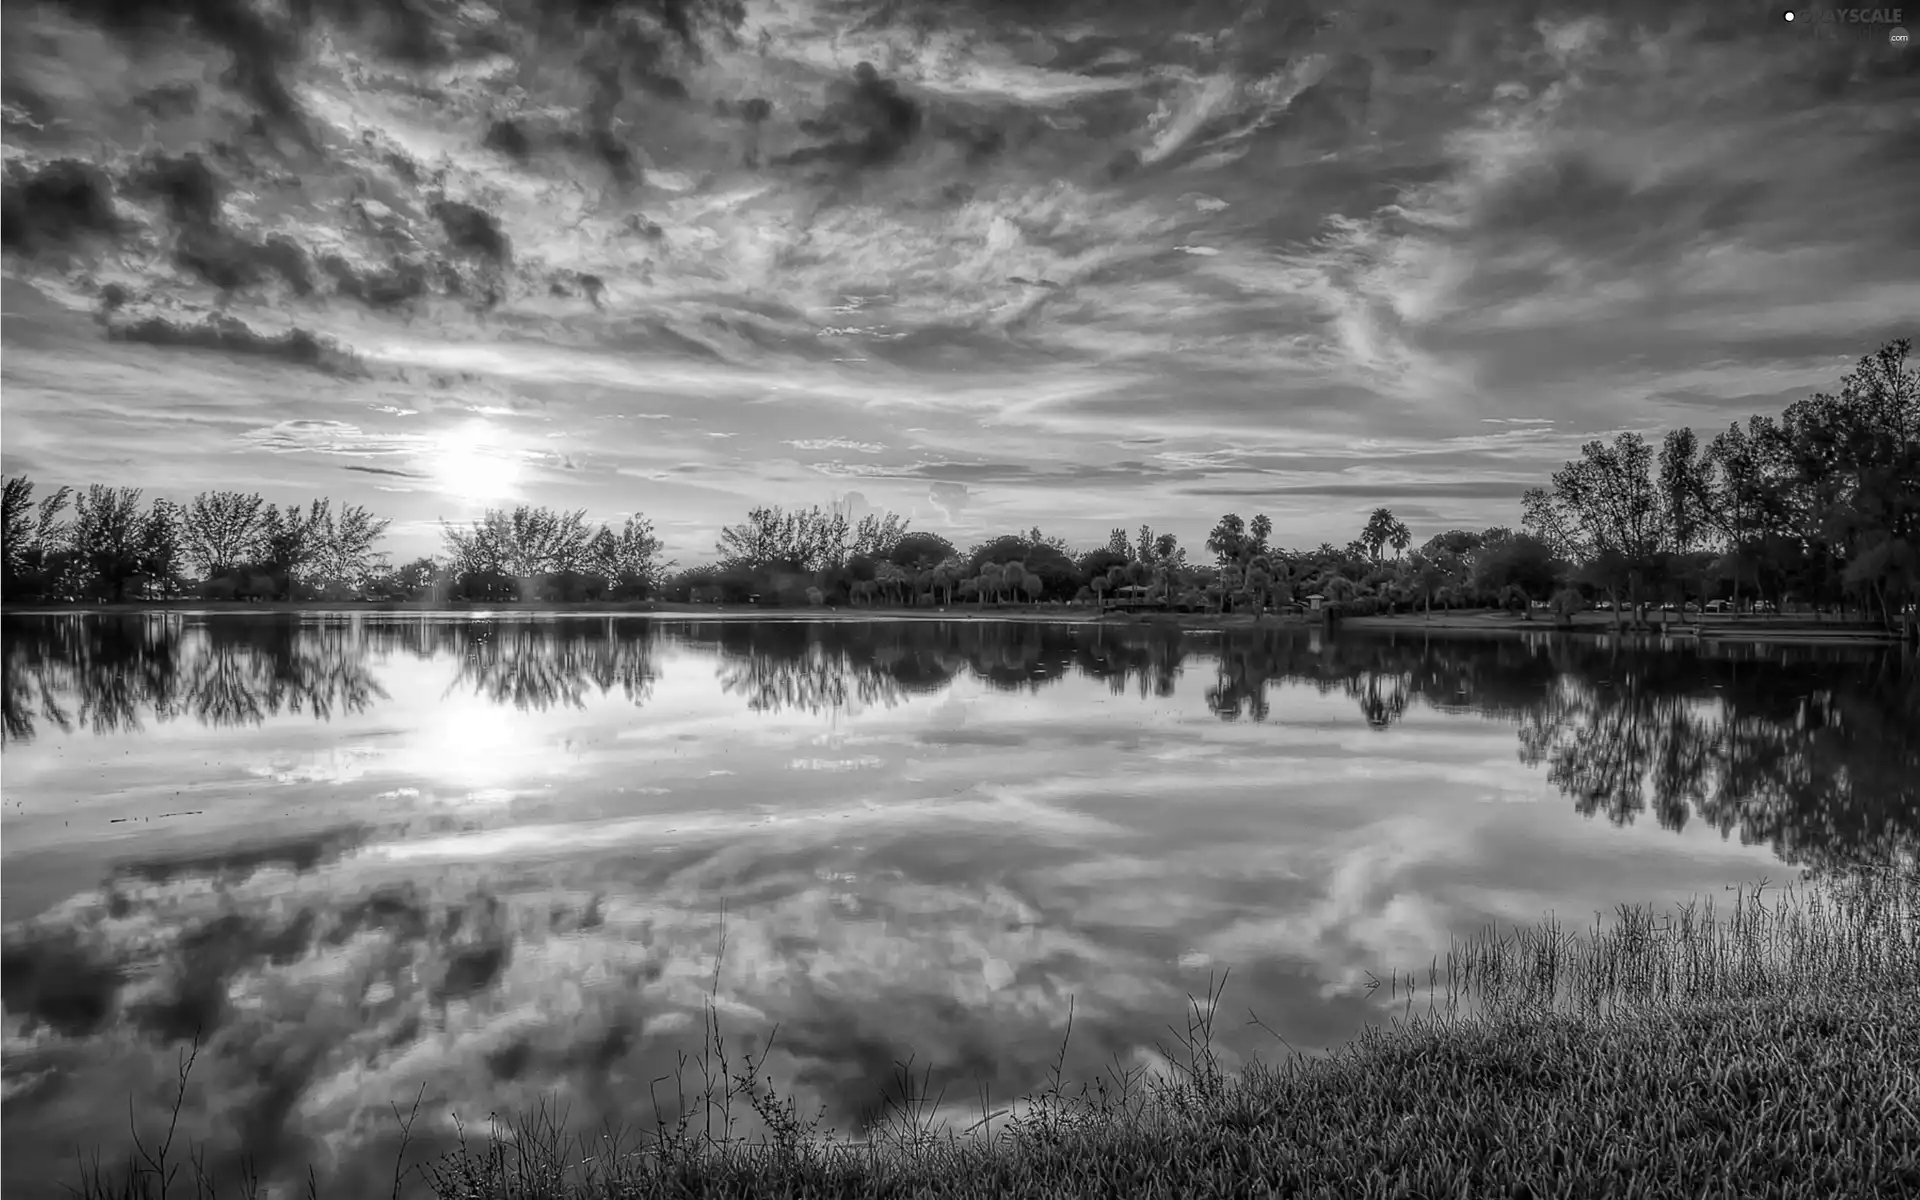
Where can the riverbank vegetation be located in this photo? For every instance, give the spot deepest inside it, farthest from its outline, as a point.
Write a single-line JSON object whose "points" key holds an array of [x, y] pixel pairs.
{"points": [[1770, 1050], [1817, 508]]}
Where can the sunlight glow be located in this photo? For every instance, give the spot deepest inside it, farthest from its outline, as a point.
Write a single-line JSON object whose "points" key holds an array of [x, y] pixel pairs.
{"points": [[474, 462]]}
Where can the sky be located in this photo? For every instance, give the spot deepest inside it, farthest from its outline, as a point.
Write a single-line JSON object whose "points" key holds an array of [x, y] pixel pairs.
{"points": [[985, 264]]}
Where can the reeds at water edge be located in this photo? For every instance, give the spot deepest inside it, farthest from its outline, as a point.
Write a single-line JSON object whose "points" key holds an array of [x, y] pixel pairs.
{"points": [[1770, 1048]]}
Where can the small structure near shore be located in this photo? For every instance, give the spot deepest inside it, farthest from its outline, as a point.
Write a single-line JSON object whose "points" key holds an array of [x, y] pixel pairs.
{"points": [[1133, 597]]}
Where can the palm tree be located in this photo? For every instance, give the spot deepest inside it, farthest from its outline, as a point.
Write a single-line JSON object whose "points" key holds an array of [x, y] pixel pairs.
{"points": [[991, 577], [1013, 577], [1384, 530]]}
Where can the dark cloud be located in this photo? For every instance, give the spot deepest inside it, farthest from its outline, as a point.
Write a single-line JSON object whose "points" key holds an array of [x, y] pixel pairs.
{"points": [[56, 205], [397, 284], [233, 336], [508, 137], [187, 185], [473, 229], [191, 191], [867, 123], [229, 261], [191, 997], [51, 979], [260, 50]]}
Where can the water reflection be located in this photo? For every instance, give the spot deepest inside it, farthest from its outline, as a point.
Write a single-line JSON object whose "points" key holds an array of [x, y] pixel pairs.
{"points": [[1814, 751], [487, 856]]}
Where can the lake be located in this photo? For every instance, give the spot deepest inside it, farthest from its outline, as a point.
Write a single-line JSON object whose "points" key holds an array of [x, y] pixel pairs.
{"points": [[367, 855]]}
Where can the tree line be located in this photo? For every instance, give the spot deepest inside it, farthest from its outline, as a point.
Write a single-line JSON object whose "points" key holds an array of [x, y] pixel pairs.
{"points": [[1818, 507]]}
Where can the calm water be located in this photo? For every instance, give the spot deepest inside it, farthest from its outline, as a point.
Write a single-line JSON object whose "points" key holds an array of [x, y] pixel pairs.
{"points": [[373, 853]]}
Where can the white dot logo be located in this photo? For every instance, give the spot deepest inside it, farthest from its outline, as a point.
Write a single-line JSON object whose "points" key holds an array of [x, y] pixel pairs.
{"points": [[1789, 16]]}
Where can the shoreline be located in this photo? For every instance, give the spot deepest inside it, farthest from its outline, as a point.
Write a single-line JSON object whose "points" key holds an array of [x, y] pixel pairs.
{"points": [[1772, 630], [1675, 1059]]}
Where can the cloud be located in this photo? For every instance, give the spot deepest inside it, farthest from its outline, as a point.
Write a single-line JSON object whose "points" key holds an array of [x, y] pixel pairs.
{"points": [[951, 499], [752, 247], [56, 204], [312, 436], [837, 444], [230, 335]]}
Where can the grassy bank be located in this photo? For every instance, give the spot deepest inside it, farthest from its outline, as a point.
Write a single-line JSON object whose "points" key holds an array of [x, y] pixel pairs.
{"points": [[1768, 1050]]}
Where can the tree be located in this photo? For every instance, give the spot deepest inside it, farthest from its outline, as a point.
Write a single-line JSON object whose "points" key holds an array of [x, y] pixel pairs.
{"points": [[36, 542], [162, 558], [1854, 459], [1167, 551], [108, 530], [1382, 530], [509, 554], [220, 531], [1604, 513], [1400, 539], [1095, 563], [989, 581], [920, 551], [1686, 491], [802, 540], [631, 561], [292, 542], [1227, 539], [1014, 577], [343, 544], [1258, 531], [1118, 545], [877, 534], [1517, 561]]}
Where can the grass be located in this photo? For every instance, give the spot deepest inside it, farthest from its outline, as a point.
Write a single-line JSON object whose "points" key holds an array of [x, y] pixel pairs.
{"points": [[1771, 1050]]}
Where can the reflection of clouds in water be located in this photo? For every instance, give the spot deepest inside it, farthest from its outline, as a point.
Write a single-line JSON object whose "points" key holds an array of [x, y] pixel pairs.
{"points": [[865, 762], [496, 937], [342, 764], [329, 995]]}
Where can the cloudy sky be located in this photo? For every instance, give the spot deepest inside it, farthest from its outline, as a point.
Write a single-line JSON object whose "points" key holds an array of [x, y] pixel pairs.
{"points": [[983, 263]]}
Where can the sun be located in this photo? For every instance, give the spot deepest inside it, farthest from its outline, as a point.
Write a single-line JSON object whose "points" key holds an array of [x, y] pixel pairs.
{"points": [[474, 462]]}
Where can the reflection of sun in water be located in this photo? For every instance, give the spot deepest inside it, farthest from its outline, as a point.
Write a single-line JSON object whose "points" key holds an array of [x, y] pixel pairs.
{"points": [[474, 462], [473, 744]]}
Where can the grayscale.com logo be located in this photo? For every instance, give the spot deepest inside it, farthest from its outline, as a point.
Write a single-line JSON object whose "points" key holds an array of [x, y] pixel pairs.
{"points": [[1882, 23]]}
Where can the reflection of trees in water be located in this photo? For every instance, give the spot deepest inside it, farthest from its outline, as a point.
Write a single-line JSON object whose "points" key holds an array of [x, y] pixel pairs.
{"points": [[539, 666], [253, 670], [1147, 658], [73, 676], [106, 673], [819, 666], [1812, 751], [1815, 756], [822, 667]]}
